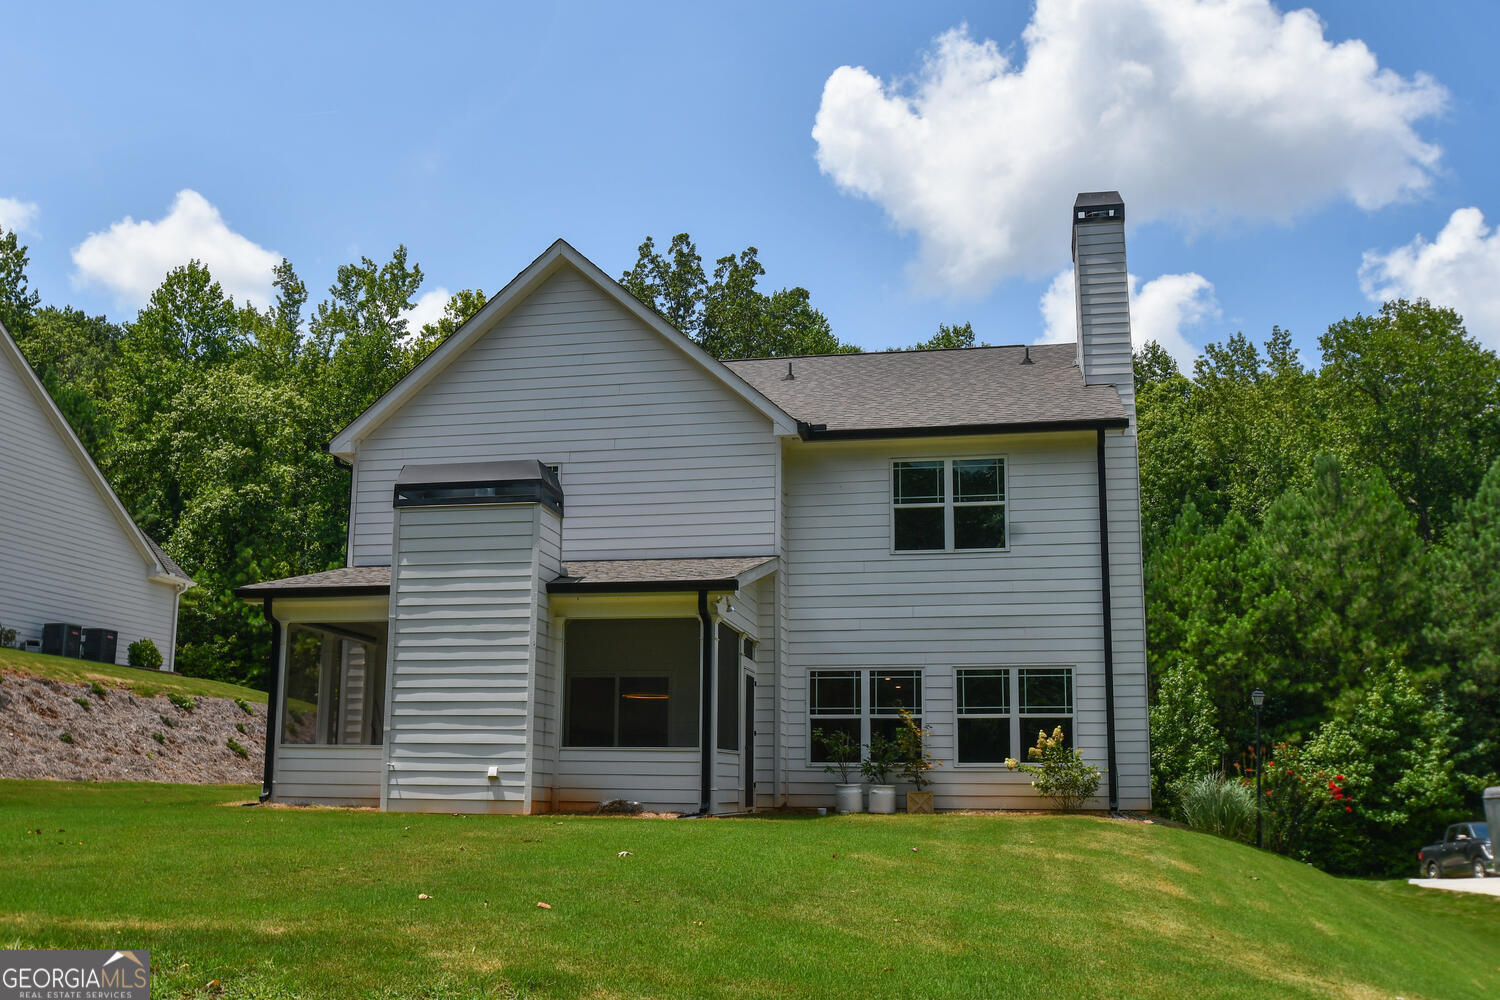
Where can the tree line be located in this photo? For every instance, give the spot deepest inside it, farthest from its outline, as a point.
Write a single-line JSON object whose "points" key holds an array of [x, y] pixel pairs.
{"points": [[1330, 536]]}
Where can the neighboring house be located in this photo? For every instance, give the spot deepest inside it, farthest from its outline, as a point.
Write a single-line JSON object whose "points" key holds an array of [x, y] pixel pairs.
{"points": [[69, 552], [588, 561]]}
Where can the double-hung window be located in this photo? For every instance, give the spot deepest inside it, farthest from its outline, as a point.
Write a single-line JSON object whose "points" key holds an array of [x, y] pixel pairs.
{"points": [[860, 703], [1001, 710], [950, 504]]}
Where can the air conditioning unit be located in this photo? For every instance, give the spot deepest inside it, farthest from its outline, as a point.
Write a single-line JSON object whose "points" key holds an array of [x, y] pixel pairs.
{"points": [[59, 639], [100, 644]]}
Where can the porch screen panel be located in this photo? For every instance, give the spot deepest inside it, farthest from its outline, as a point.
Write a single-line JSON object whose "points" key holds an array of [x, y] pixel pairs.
{"points": [[334, 687], [631, 682]]}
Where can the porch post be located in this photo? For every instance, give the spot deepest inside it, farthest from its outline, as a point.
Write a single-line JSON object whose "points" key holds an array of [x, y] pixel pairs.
{"points": [[706, 703], [268, 772]]}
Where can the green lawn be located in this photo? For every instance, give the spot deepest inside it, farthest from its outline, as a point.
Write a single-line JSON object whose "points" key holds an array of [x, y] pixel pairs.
{"points": [[147, 684], [324, 903]]}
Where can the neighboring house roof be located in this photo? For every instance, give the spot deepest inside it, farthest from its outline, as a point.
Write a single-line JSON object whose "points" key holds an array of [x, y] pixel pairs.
{"points": [[163, 568], [716, 573], [932, 392], [558, 255]]}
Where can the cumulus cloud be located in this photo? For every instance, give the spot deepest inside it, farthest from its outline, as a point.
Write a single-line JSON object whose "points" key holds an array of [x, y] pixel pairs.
{"points": [[130, 258], [427, 309], [1198, 111], [1160, 310], [18, 216], [1459, 269]]}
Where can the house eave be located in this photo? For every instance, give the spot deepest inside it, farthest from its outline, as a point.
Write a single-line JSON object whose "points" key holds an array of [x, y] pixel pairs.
{"points": [[821, 432]]}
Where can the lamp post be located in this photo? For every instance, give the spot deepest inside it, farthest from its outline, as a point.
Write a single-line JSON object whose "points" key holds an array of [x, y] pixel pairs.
{"points": [[1258, 698]]}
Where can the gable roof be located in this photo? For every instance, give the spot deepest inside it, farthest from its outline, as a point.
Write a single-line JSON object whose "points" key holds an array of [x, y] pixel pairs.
{"points": [[924, 393], [558, 255], [164, 569]]}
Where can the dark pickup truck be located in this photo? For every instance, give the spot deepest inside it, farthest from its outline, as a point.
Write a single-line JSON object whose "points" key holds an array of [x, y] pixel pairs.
{"points": [[1464, 850]]}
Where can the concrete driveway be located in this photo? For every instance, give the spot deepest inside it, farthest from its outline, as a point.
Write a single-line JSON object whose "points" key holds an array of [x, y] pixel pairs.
{"points": [[1484, 886]]}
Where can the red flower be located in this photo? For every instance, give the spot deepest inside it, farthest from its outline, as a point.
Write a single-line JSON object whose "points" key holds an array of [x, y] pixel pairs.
{"points": [[1332, 787], [1348, 809]]}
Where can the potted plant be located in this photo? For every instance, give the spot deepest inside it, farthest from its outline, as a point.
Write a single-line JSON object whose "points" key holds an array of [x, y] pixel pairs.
{"points": [[843, 757], [877, 771], [914, 763]]}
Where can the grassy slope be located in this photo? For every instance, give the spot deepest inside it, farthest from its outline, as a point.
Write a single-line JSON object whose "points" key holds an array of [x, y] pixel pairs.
{"points": [[323, 903], [147, 684]]}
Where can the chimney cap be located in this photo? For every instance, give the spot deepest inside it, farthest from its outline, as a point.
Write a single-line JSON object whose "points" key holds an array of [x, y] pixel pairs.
{"points": [[1098, 205]]}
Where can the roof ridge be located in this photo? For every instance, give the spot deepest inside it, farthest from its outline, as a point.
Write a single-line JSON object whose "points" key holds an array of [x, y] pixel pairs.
{"points": [[886, 353]]}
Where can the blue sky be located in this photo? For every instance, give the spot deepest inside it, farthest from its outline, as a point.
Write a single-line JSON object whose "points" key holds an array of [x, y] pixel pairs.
{"points": [[937, 190]]}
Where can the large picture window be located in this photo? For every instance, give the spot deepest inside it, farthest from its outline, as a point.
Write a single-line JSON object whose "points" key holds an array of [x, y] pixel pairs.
{"points": [[944, 505], [1001, 710], [861, 702], [630, 682]]}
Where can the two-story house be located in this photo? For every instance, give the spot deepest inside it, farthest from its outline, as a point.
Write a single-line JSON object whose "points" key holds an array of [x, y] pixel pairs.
{"points": [[587, 561]]}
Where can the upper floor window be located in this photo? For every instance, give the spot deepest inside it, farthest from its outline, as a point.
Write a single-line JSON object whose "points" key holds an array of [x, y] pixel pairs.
{"points": [[943, 505]]}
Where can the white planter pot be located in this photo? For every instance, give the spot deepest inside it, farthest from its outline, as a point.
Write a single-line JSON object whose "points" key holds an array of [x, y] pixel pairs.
{"points": [[850, 798], [882, 798]]}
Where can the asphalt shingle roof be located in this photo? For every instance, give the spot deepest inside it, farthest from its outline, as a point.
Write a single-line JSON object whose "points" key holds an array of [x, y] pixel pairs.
{"points": [[603, 574], [924, 390]]}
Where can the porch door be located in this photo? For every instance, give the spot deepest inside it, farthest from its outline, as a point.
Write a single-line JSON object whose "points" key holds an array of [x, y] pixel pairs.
{"points": [[747, 747]]}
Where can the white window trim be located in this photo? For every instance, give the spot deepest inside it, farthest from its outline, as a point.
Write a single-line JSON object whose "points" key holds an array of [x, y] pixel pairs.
{"points": [[1018, 744], [947, 504], [866, 706]]}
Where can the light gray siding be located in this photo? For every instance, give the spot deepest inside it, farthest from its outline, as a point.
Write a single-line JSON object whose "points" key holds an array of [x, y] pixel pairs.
{"points": [[463, 631], [333, 774], [853, 603], [662, 780], [1103, 305], [67, 555], [657, 458], [1104, 334]]}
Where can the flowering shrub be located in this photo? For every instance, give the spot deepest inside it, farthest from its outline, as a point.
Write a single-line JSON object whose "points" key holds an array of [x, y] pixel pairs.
{"points": [[1059, 774], [1304, 806]]}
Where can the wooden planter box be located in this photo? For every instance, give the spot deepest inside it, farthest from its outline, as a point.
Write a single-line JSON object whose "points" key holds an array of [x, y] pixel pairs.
{"points": [[919, 802]]}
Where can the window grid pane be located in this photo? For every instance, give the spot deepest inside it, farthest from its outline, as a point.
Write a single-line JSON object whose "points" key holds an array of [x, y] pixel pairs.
{"points": [[891, 691], [1047, 691], [835, 692], [978, 481], [984, 692], [917, 482]]}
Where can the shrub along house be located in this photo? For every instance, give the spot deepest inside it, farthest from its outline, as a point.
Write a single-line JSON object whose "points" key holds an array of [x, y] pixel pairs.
{"points": [[587, 561]]}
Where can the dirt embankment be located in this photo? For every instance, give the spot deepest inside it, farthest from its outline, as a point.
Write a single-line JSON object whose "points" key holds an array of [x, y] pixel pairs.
{"points": [[51, 729]]}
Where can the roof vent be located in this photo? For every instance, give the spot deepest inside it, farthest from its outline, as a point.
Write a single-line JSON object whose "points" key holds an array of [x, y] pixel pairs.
{"points": [[789, 376], [1027, 359]]}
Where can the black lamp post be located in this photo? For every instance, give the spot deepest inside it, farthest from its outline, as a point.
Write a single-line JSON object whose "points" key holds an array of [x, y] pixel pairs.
{"points": [[1258, 698]]}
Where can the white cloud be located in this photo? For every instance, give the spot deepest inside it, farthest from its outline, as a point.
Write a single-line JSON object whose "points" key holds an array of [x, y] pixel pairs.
{"points": [[427, 309], [1160, 310], [131, 258], [1198, 111], [1460, 269], [18, 216]]}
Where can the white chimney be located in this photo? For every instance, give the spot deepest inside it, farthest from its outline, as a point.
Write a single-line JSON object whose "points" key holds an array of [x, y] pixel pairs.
{"points": [[1102, 293]]}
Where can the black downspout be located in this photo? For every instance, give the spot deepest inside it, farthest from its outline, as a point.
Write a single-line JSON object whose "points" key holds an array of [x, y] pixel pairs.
{"points": [[1109, 633], [269, 774], [705, 724]]}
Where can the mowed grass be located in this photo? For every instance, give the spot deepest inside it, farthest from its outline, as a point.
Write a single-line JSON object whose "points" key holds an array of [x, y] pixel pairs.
{"points": [[146, 683], [273, 902]]}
